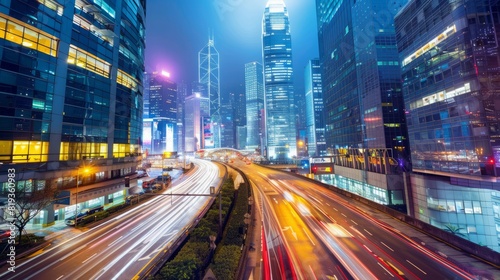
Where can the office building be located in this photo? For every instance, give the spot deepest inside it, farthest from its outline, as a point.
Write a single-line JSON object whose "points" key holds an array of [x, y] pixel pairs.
{"points": [[208, 75], [182, 92], [365, 127], [315, 120], [163, 115], [254, 92], [450, 62], [71, 99], [278, 82]]}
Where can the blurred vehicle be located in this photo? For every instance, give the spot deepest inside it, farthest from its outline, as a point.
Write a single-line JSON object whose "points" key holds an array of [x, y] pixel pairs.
{"points": [[4, 234], [142, 173], [148, 183]]}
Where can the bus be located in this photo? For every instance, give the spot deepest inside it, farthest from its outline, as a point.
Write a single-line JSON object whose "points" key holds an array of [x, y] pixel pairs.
{"points": [[147, 184]]}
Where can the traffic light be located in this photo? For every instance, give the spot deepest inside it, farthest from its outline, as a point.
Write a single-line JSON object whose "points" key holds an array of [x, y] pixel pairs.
{"points": [[314, 169], [127, 182]]}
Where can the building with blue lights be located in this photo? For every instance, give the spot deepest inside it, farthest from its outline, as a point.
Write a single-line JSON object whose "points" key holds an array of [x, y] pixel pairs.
{"points": [[315, 120], [254, 93], [278, 82], [449, 54], [365, 126], [208, 74]]}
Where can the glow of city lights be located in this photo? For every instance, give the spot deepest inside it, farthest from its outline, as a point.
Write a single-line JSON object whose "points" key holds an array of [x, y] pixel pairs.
{"points": [[165, 73]]}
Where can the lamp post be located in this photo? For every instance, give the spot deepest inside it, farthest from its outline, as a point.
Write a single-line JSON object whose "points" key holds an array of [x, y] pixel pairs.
{"points": [[85, 171]]}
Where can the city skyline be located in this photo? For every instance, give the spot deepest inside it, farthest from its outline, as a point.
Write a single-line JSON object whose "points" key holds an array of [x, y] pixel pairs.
{"points": [[236, 29]]}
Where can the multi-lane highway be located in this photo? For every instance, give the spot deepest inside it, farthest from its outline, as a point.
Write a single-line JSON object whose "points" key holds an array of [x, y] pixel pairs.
{"points": [[125, 245], [316, 234]]}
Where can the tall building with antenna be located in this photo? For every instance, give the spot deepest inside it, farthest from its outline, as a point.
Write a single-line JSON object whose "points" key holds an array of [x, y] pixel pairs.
{"points": [[208, 74]]}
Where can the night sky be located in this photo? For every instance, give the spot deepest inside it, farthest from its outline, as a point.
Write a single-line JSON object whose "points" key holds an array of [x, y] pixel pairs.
{"points": [[177, 29]]}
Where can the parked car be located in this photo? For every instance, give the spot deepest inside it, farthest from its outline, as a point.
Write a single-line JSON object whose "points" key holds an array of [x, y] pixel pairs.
{"points": [[85, 212], [131, 198]]}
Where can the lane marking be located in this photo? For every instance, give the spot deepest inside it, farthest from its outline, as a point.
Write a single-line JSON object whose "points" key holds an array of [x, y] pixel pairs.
{"points": [[112, 243], [387, 246], [89, 258], [354, 222], [368, 232], [416, 267], [308, 236], [386, 270]]}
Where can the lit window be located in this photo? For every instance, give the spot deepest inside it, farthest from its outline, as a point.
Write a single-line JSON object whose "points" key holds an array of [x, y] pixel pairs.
{"points": [[88, 61], [441, 37], [26, 35], [126, 80]]}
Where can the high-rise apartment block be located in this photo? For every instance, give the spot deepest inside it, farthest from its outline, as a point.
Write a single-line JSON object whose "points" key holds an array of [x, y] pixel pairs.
{"points": [[71, 97], [278, 82]]}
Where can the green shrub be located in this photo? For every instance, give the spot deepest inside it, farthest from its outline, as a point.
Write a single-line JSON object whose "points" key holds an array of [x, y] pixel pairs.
{"points": [[226, 262]]}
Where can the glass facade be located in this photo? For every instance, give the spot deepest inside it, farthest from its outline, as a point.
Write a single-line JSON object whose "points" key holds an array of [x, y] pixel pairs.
{"points": [[450, 60], [278, 82], [208, 74], [365, 125], [451, 86], [361, 76], [70, 87], [254, 92], [315, 121], [162, 94]]}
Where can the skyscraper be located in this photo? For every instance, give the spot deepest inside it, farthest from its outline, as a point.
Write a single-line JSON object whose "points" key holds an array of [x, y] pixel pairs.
{"points": [[71, 96], [278, 82], [208, 74], [365, 125], [162, 94], [254, 92], [315, 121], [451, 84]]}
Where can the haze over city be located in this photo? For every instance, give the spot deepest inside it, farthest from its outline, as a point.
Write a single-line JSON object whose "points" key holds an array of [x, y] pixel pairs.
{"points": [[177, 30]]}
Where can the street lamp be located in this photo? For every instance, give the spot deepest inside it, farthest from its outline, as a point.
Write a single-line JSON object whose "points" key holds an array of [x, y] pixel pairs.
{"points": [[85, 171]]}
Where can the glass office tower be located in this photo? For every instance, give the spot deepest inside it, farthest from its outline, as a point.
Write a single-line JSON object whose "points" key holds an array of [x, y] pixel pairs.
{"points": [[278, 82], [254, 92], [365, 125], [451, 82], [315, 120], [208, 74], [71, 95], [163, 107]]}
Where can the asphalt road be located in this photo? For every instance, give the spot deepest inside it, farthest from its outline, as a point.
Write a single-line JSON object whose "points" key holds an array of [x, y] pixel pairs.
{"points": [[126, 244], [312, 233]]}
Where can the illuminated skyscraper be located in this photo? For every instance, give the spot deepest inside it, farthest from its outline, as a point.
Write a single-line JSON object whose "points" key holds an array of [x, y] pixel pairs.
{"points": [[208, 74], [315, 121], [365, 126], [449, 54], [162, 93], [71, 96], [278, 82], [254, 92]]}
